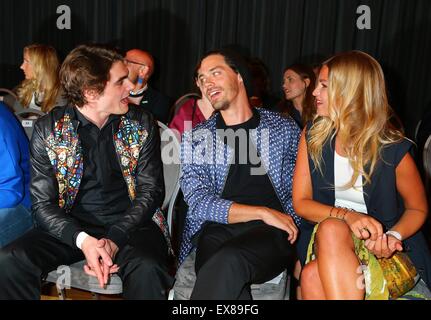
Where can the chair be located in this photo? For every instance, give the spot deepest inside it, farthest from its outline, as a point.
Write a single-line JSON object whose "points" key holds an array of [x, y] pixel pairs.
{"points": [[8, 97], [427, 163], [27, 118], [180, 101], [418, 125], [275, 289], [75, 274]]}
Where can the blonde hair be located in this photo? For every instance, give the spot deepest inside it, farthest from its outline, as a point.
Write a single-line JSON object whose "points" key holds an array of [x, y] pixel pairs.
{"points": [[359, 114], [45, 65]]}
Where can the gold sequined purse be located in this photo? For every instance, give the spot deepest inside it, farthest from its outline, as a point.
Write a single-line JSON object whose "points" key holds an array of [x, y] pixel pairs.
{"points": [[400, 274]]}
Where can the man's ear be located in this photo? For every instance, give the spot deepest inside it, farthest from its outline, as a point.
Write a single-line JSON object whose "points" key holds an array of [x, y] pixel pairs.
{"points": [[91, 95], [307, 82], [143, 72], [240, 78]]}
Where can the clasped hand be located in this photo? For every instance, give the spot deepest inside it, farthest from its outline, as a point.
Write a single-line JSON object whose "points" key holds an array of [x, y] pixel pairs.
{"points": [[369, 229], [100, 254]]}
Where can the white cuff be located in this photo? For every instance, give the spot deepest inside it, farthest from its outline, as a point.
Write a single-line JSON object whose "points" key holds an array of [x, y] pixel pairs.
{"points": [[80, 239], [395, 234]]}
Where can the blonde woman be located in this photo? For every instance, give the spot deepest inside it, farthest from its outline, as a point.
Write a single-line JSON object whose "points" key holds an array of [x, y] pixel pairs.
{"points": [[354, 176], [41, 88]]}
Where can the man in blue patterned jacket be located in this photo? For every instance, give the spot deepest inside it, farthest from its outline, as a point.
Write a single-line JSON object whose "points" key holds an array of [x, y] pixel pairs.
{"points": [[237, 170]]}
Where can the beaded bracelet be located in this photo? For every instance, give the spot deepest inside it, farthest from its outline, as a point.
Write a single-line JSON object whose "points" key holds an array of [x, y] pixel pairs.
{"points": [[338, 215]]}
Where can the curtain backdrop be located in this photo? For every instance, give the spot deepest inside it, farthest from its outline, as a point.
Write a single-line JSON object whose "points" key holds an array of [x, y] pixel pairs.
{"points": [[279, 32]]}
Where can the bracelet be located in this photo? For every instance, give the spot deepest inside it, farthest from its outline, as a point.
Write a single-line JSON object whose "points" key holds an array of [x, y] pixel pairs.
{"points": [[395, 234], [330, 212], [337, 215], [347, 210], [344, 214]]}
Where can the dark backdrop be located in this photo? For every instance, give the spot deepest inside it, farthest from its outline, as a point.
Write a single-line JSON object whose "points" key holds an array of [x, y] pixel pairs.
{"points": [[279, 32]]}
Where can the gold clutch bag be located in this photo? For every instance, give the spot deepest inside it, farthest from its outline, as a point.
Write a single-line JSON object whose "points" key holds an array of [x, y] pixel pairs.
{"points": [[400, 274]]}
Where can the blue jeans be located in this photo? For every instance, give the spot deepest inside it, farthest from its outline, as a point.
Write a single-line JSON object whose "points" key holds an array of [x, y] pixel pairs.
{"points": [[14, 222]]}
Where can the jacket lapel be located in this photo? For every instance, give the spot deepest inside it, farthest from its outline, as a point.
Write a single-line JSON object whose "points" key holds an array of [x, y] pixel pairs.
{"points": [[128, 141], [65, 153]]}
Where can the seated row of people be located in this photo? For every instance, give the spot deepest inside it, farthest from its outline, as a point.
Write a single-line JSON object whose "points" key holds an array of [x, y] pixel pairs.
{"points": [[342, 195]]}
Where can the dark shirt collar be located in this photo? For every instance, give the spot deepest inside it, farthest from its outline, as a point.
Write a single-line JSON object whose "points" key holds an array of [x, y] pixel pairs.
{"points": [[83, 121], [251, 123]]}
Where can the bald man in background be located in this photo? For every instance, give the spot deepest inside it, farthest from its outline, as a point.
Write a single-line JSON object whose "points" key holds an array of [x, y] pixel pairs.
{"points": [[141, 66]]}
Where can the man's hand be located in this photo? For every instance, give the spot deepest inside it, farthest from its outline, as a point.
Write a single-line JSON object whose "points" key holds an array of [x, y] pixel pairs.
{"points": [[99, 261], [112, 249], [281, 221]]}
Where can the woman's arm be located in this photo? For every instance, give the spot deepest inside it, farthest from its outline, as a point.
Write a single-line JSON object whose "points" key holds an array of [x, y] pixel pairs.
{"points": [[411, 189], [302, 193]]}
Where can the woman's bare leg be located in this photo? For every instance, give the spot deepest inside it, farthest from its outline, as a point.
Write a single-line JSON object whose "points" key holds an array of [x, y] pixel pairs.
{"points": [[337, 264], [311, 285]]}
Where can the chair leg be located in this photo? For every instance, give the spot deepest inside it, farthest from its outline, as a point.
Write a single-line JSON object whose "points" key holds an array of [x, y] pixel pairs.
{"points": [[171, 294], [61, 292]]}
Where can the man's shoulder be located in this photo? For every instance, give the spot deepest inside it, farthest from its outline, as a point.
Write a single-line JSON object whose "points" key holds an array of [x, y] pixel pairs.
{"points": [[8, 123], [274, 120], [140, 114], [201, 131], [54, 115]]}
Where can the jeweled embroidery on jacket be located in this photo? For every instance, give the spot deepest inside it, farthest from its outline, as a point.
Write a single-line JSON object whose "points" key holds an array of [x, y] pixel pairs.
{"points": [[65, 153], [128, 143]]}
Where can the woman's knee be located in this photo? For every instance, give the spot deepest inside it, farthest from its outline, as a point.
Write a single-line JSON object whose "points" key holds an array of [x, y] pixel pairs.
{"points": [[332, 232]]}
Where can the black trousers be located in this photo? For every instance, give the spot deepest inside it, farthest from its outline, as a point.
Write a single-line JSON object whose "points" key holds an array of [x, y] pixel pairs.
{"points": [[231, 257], [143, 264]]}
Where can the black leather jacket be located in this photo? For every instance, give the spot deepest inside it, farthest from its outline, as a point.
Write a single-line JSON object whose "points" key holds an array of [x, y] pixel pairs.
{"points": [[53, 218]]}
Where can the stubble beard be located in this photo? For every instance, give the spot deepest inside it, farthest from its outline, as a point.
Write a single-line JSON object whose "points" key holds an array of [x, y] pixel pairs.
{"points": [[221, 105]]}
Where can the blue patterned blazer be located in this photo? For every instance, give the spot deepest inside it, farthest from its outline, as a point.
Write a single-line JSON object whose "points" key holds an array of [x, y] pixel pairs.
{"points": [[205, 166]]}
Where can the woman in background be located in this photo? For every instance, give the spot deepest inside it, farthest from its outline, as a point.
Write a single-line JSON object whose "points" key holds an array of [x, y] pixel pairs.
{"points": [[298, 86], [41, 88]]}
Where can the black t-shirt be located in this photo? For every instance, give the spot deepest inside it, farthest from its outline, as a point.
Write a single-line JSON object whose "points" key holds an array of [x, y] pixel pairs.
{"points": [[241, 185]]}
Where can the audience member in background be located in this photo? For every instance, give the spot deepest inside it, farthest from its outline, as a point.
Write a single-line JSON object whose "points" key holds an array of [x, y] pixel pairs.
{"points": [[298, 86], [240, 219], [141, 67], [261, 88], [192, 112], [421, 136], [356, 179], [96, 187], [41, 87], [15, 214]]}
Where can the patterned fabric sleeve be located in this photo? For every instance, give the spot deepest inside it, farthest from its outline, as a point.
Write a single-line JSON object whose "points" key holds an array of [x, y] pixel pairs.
{"points": [[198, 189]]}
